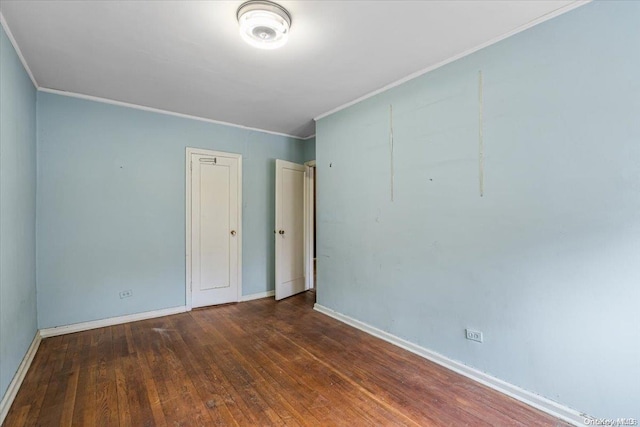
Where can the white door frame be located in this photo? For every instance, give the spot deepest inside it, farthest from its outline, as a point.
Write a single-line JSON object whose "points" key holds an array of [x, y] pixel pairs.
{"points": [[188, 169], [309, 207]]}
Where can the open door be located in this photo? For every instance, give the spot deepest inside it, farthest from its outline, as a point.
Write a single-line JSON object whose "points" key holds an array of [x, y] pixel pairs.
{"points": [[290, 278], [310, 225]]}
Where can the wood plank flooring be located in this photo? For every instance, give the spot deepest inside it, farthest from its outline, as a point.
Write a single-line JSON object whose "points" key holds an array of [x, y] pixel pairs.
{"points": [[253, 363]]}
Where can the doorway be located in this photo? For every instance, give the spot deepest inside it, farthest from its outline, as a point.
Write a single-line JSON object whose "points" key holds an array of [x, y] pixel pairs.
{"points": [[214, 227], [310, 224], [294, 228]]}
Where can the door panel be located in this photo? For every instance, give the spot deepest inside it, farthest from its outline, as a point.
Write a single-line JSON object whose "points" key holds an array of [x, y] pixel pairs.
{"points": [[290, 278], [215, 226], [215, 220]]}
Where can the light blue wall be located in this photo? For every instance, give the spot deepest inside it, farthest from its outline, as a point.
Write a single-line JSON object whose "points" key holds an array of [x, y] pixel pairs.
{"points": [[309, 149], [547, 263], [111, 206], [18, 318]]}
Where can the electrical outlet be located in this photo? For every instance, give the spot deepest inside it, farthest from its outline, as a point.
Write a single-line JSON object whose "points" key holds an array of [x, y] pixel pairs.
{"points": [[473, 335], [126, 294]]}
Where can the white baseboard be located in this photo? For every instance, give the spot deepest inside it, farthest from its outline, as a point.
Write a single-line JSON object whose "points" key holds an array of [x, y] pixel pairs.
{"points": [[16, 382], [539, 402], [85, 326], [95, 324], [257, 296]]}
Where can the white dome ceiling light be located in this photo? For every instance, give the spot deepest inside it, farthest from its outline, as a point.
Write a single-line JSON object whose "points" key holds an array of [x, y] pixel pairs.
{"points": [[264, 24]]}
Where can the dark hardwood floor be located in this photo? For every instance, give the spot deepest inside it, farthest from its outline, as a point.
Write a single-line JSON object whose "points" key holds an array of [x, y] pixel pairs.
{"points": [[253, 363]]}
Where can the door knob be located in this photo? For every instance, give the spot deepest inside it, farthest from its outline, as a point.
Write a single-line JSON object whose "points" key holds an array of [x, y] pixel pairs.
{"points": [[233, 232], [281, 232]]}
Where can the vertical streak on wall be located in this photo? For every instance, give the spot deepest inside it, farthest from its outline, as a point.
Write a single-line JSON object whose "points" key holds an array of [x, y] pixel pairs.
{"points": [[391, 144], [480, 136]]}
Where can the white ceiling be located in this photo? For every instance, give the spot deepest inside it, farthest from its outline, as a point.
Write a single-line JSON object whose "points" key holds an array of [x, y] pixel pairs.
{"points": [[187, 56]]}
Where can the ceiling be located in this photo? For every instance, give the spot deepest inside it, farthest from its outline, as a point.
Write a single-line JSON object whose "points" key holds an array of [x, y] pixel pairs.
{"points": [[187, 56]]}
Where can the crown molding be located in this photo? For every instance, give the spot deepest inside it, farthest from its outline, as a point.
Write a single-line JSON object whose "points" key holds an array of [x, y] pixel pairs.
{"points": [[159, 111], [12, 39], [543, 18]]}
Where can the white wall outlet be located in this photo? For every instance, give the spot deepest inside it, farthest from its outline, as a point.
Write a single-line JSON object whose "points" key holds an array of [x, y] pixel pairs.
{"points": [[126, 294], [473, 335]]}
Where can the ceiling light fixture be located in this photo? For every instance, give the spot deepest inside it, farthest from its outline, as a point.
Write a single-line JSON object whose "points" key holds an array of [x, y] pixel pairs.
{"points": [[264, 24]]}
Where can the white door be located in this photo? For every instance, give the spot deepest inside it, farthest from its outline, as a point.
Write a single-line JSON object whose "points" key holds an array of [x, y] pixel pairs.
{"points": [[290, 278], [215, 213]]}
